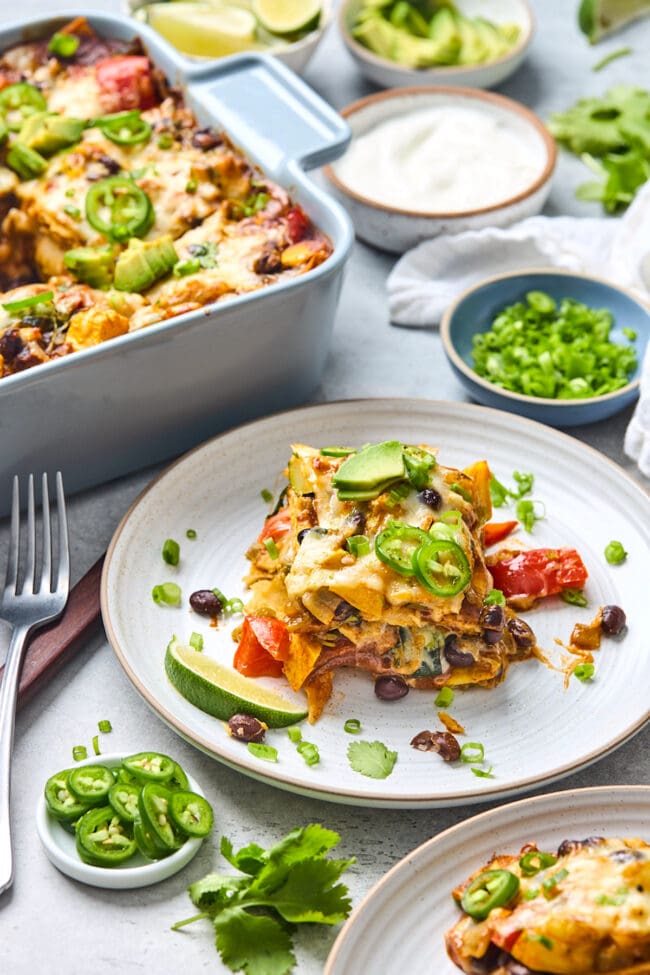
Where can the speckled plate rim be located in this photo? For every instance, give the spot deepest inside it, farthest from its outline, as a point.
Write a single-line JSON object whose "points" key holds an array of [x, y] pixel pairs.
{"points": [[50, 833], [301, 785], [475, 94], [461, 365], [443, 71], [423, 857]]}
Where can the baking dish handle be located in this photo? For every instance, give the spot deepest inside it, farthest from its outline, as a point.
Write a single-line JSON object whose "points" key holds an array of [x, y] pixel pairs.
{"points": [[269, 110]]}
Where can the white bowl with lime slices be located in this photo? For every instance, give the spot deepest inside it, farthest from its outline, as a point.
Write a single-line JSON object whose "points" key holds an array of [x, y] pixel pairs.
{"points": [[291, 30]]}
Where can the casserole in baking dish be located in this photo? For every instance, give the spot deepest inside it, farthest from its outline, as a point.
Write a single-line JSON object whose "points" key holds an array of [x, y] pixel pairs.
{"points": [[126, 205]]}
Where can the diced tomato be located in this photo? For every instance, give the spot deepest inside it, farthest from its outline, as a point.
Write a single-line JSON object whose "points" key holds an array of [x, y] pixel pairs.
{"points": [[496, 531], [263, 647], [276, 526], [538, 572], [506, 939], [125, 82], [297, 224]]}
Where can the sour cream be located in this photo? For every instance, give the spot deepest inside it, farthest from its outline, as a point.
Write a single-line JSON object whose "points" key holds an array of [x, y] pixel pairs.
{"points": [[443, 159]]}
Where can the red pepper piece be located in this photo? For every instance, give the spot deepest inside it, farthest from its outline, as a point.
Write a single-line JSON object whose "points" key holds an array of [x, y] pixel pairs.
{"points": [[538, 572], [263, 647], [496, 531], [125, 82], [276, 526]]}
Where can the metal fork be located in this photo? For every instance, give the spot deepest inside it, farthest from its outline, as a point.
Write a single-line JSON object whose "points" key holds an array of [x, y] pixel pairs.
{"points": [[30, 605]]}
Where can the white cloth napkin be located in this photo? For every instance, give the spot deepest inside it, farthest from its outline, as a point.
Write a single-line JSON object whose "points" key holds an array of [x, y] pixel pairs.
{"points": [[428, 278]]}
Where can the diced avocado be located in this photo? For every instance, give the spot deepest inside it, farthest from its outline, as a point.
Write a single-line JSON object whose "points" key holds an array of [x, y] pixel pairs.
{"points": [[406, 16], [92, 265], [510, 33], [47, 133], [472, 46], [144, 262], [298, 476], [371, 470], [443, 30], [376, 34], [495, 43]]}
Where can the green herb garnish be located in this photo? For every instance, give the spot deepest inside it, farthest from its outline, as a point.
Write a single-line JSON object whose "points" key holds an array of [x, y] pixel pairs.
{"points": [[575, 597], [444, 697], [266, 495], [615, 553], [167, 594], [584, 672], [104, 726], [196, 641], [352, 726], [472, 751], [494, 598], [371, 758], [621, 52], [266, 752], [171, 552]]}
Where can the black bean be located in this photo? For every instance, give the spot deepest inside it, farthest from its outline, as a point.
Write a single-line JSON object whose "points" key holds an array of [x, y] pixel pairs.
{"points": [[430, 497], [10, 344], [626, 856], [343, 611], [442, 742], [357, 520], [301, 534], [246, 728], [521, 632], [205, 602], [571, 846], [36, 321], [492, 617], [454, 656], [391, 687], [268, 262], [206, 139], [612, 620]]}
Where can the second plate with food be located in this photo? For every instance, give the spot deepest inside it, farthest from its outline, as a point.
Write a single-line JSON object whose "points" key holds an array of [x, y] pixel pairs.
{"points": [[532, 728], [379, 938]]}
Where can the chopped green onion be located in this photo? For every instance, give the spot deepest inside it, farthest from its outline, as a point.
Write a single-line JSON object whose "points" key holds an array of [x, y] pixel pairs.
{"points": [[295, 735], [63, 45], [309, 752], [527, 515], [104, 726], [358, 545], [499, 493], [223, 599], [452, 517], [266, 495], [190, 533], [234, 605], [472, 751], [39, 299], [584, 672], [191, 186], [167, 593], [575, 597], [196, 641], [96, 745], [494, 598], [266, 752], [444, 698], [531, 893], [614, 552], [352, 726], [620, 52], [79, 752], [190, 266], [629, 333], [483, 773], [72, 211], [616, 900], [171, 551], [542, 939], [524, 482], [337, 451], [271, 548], [549, 885], [165, 141]]}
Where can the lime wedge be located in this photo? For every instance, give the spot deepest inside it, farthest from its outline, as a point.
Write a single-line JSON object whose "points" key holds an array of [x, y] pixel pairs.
{"points": [[287, 17], [204, 29], [598, 18], [222, 692]]}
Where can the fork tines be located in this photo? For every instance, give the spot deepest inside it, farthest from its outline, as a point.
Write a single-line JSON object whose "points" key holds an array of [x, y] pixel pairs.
{"points": [[27, 539]]}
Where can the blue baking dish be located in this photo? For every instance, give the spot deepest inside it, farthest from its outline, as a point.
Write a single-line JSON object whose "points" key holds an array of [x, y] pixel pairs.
{"points": [[151, 394]]}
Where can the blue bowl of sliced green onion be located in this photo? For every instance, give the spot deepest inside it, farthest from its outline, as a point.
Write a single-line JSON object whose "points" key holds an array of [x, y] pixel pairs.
{"points": [[562, 348]]}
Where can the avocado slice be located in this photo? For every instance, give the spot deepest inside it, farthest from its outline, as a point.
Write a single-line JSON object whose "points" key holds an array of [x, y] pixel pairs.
{"points": [[376, 34], [472, 47], [47, 133], [144, 262], [495, 43], [366, 474], [92, 265], [297, 476]]}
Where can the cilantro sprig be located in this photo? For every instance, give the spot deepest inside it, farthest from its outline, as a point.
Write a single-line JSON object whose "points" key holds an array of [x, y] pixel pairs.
{"points": [[290, 883], [371, 758]]}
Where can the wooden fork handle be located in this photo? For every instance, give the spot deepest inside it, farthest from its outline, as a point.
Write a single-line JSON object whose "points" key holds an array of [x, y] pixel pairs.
{"points": [[49, 648]]}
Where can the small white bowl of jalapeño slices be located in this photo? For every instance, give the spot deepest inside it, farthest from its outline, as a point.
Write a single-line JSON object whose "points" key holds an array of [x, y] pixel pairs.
{"points": [[122, 821]]}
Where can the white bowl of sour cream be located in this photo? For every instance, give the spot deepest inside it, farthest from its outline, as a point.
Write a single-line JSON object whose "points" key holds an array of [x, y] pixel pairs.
{"points": [[425, 161]]}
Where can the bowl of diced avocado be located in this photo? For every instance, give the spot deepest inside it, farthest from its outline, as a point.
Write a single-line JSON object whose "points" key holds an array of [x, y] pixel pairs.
{"points": [[464, 43]]}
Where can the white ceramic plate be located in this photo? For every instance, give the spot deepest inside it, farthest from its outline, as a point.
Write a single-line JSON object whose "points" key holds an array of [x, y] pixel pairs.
{"points": [[60, 849], [532, 729], [380, 938]]}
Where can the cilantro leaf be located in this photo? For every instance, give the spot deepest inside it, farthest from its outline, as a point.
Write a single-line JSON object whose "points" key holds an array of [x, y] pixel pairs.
{"points": [[305, 893], [371, 758], [255, 944], [301, 844], [215, 892], [250, 859]]}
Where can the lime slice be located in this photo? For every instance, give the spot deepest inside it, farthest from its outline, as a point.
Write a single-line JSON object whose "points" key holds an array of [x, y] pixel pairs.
{"points": [[204, 29], [287, 17], [598, 18], [222, 692]]}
